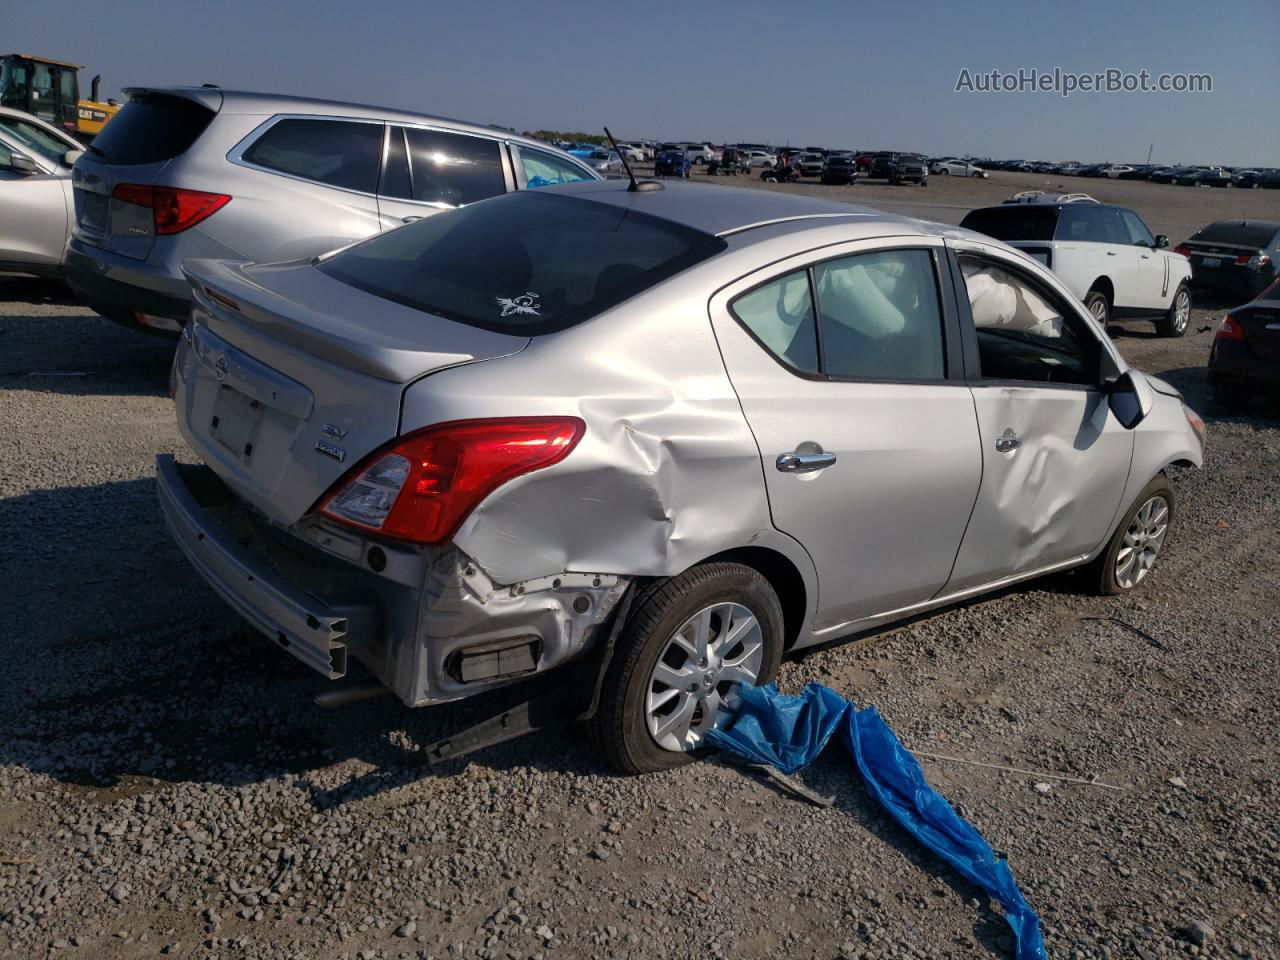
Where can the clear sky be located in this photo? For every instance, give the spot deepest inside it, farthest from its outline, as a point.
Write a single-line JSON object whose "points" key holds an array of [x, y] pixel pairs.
{"points": [[838, 74]]}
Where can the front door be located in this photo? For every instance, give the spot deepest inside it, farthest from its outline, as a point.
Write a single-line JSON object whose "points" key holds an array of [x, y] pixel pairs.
{"points": [[849, 381], [1055, 460]]}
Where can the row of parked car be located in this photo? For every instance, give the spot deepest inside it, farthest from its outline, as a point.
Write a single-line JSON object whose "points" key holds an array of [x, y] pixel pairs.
{"points": [[1188, 176]]}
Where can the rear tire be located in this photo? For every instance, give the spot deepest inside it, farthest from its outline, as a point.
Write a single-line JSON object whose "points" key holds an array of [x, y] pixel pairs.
{"points": [[1098, 305], [1110, 573], [662, 611], [1175, 322]]}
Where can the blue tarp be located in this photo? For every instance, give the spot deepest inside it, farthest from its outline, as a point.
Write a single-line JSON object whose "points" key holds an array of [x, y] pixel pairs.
{"points": [[789, 732]]}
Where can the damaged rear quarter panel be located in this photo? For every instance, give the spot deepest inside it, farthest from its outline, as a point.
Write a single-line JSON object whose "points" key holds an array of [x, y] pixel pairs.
{"points": [[667, 472]]}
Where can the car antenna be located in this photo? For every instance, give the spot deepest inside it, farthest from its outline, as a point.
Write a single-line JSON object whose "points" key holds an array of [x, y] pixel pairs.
{"points": [[643, 186]]}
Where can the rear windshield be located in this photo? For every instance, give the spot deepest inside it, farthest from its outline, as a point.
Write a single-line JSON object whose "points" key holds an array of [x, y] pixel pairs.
{"points": [[527, 263], [1255, 233], [1014, 222], [150, 129]]}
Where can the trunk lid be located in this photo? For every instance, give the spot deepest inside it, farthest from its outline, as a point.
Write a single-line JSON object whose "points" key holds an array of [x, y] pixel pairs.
{"points": [[283, 392], [141, 140]]}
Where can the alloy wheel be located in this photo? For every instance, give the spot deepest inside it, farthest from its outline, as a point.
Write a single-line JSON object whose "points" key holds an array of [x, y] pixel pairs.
{"points": [[1181, 310], [716, 649], [1099, 309], [1142, 542]]}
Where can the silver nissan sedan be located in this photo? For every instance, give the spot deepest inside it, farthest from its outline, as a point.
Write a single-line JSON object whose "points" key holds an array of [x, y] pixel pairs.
{"points": [[708, 425]]}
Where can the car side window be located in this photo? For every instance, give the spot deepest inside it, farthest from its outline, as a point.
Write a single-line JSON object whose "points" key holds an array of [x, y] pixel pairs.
{"points": [[1024, 332], [879, 316], [454, 168], [339, 153], [1080, 223], [780, 315], [1138, 232]]}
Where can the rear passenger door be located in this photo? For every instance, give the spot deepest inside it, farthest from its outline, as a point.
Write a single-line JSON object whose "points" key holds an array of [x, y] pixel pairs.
{"points": [[321, 192], [847, 368], [1090, 245], [426, 170]]}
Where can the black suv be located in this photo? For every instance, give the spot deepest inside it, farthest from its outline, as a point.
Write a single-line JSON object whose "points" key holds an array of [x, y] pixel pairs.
{"points": [[839, 168]]}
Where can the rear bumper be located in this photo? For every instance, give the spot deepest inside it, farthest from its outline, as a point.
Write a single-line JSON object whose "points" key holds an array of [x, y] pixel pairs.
{"points": [[1232, 363], [1230, 279], [435, 628], [310, 629], [118, 287]]}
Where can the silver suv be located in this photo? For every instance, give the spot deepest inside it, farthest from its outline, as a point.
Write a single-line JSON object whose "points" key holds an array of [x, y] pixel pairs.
{"points": [[203, 172]]}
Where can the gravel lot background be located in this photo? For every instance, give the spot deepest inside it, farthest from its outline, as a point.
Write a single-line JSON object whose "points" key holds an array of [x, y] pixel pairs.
{"points": [[168, 788]]}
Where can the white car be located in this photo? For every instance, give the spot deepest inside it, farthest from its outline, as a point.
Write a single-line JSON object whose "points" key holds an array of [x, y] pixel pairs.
{"points": [[699, 153], [957, 168], [37, 207], [633, 152], [1113, 170], [1103, 253], [762, 158]]}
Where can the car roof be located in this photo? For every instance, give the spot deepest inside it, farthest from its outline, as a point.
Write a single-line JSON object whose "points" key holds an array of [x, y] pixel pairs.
{"points": [[724, 210], [1246, 231], [252, 102], [42, 124]]}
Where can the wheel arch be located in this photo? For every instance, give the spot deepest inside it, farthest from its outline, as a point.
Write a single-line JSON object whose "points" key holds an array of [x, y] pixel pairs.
{"points": [[785, 578], [1104, 286]]}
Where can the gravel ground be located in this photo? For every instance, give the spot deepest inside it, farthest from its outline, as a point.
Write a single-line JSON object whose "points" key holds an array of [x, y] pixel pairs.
{"points": [[168, 788]]}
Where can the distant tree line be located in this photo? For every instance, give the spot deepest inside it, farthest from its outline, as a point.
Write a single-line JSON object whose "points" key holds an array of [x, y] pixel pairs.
{"points": [[549, 135]]}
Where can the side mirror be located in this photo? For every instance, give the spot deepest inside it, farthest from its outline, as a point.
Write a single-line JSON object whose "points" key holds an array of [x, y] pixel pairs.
{"points": [[1161, 241], [1130, 398], [71, 156], [20, 164]]}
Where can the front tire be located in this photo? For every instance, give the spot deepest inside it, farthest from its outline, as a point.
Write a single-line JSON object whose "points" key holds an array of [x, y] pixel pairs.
{"points": [[686, 643], [1175, 322], [1137, 542]]}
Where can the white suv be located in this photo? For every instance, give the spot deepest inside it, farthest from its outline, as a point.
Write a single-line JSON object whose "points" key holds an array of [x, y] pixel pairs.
{"points": [[1103, 253]]}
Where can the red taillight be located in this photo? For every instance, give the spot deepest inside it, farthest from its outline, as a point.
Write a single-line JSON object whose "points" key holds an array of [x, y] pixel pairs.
{"points": [[1229, 329], [422, 487], [1257, 260], [1183, 249], [172, 208]]}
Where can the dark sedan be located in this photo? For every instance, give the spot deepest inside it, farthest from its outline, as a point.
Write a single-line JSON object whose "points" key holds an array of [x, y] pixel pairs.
{"points": [[1245, 358], [1236, 257], [1203, 177]]}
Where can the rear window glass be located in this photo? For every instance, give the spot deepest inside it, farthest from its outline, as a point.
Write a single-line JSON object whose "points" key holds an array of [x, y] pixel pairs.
{"points": [[1013, 223], [150, 129], [340, 153], [1252, 234], [526, 263]]}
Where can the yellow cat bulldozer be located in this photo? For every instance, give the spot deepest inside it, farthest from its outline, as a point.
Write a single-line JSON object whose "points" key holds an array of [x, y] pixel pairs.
{"points": [[50, 90]]}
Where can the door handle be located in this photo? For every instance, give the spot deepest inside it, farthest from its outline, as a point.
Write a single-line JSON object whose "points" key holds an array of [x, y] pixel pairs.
{"points": [[1007, 442], [804, 462], [409, 219], [1111, 253]]}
